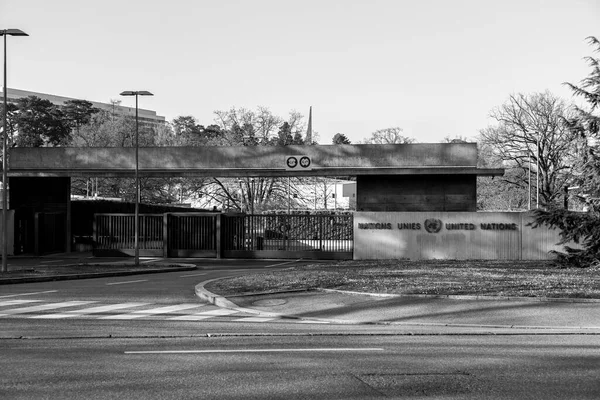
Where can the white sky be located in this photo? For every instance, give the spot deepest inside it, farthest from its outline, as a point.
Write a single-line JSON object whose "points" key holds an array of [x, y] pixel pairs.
{"points": [[433, 67]]}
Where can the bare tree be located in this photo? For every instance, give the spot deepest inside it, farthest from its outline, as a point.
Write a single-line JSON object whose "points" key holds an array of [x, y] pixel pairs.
{"points": [[530, 134], [456, 139], [258, 127], [388, 136], [495, 194]]}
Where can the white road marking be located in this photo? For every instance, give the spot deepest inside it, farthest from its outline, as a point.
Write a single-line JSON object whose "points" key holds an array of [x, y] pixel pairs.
{"points": [[28, 294], [13, 302], [306, 321], [203, 315], [202, 273], [43, 307], [323, 350], [53, 261], [121, 283], [196, 316], [283, 263], [254, 319], [153, 311], [87, 311], [193, 317]]}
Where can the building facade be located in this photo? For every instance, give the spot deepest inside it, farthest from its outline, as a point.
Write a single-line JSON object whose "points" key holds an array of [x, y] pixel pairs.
{"points": [[145, 116]]}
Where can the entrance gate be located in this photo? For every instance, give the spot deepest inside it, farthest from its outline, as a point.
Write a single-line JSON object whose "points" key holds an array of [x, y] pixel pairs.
{"points": [[230, 236], [288, 236], [192, 235]]}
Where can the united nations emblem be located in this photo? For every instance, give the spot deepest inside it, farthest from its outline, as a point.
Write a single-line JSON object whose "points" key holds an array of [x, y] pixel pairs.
{"points": [[433, 225]]}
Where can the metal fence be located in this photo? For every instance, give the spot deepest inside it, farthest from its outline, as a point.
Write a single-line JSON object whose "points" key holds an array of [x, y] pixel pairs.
{"points": [[192, 235], [231, 236], [115, 233], [288, 236]]}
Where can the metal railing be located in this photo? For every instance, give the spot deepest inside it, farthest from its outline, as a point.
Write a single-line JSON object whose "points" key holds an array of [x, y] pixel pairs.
{"points": [[192, 235], [215, 234], [288, 233], [117, 232]]}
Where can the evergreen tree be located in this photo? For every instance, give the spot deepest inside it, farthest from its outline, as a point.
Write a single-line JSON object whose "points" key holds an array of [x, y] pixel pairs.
{"points": [[583, 228], [78, 113], [340, 138], [39, 123]]}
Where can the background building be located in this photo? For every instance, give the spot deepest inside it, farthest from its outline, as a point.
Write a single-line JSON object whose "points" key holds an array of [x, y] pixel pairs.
{"points": [[145, 116]]}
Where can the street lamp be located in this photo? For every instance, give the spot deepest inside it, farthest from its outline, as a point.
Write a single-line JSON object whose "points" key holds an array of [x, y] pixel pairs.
{"points": [[137, 180], [529, 180], [5, 33], [537, 174]]}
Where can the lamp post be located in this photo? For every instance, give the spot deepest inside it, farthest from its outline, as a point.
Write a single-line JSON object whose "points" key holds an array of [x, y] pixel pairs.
{"points": [[137, 180], [537, 174], [529, 182], [5, 33]]}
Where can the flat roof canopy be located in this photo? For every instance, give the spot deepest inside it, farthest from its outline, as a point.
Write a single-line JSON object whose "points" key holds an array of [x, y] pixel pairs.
{"points": [[251, 161]]}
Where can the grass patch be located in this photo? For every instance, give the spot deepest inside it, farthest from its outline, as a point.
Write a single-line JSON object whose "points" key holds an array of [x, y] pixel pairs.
{"points": [[490, 278]]}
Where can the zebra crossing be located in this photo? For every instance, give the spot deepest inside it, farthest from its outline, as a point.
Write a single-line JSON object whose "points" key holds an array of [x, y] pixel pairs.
{"points": [[89, 309]]}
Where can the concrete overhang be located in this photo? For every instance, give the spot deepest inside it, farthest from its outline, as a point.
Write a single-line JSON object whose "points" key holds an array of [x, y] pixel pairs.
{"points": [[241, 161], [256, 172]]}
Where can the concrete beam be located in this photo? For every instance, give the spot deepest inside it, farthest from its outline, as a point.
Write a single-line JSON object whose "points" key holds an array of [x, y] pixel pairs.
{"points": [[327, 160]]}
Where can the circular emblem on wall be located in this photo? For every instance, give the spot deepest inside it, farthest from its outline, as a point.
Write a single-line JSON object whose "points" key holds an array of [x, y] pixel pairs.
{"points": [[433, 225], [305, 162], [292, 162]]}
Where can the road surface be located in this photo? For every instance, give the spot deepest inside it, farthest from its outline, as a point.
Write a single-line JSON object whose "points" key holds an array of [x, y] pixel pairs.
{"points": [[150, 337]]}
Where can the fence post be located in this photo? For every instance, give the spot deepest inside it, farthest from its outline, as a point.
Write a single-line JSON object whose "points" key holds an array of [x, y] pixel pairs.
{"points": [[108, 239], [94, 233], [166, 235], [36, 233], [320, 232], [218, 234]]}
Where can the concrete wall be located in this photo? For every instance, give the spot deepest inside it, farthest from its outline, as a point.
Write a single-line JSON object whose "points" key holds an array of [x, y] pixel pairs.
{"points": [[416, 193], [10, 216], [461, 235]]}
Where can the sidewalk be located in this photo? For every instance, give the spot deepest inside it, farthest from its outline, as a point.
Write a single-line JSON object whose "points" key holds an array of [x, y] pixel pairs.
{"points": [[68, 266], [344, 307]]}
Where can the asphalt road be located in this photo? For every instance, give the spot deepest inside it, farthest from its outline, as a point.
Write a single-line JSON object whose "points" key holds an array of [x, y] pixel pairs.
{"points": [[148, 336], [302, 366]]}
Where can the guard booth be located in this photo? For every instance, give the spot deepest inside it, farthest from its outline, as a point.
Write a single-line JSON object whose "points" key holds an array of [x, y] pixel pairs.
{"points": [[41, 214]]}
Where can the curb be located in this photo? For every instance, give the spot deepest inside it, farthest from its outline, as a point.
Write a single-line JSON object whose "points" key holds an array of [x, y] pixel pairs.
{"points": [[468, 297], [500, 326], [223, 302], [51, 278]]}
